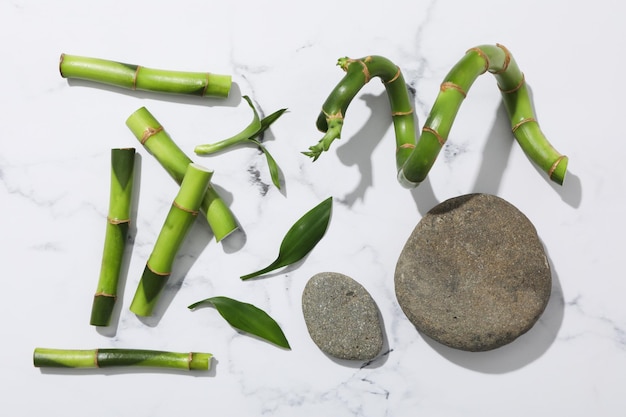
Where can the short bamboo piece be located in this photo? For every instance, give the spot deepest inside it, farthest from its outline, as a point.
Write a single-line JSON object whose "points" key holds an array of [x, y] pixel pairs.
{"points": [[136, 77], [118, 222], [180, 217], [158, 142], [106, 358]]}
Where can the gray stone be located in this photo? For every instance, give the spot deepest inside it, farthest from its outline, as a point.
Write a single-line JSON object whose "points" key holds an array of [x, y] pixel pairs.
{"points": [[473, 274], [341, 317]]}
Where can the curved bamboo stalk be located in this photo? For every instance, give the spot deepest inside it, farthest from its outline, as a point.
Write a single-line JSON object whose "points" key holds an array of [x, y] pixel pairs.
{"points": [[416, 158], [136, 77], [118, 222], [159, 144], [106, 358], [180, 217]]}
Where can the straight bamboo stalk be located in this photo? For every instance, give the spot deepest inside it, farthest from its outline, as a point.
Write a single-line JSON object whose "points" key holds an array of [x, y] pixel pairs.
{"points": [[158, 142], [180, 217], [136, 77], [118, 222], [106, 358]]}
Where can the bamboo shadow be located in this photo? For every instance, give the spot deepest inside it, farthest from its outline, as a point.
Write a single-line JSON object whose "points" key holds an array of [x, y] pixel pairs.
{"points": [[359, 149]]}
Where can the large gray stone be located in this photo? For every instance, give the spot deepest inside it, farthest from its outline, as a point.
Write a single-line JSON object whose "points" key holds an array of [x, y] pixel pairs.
{"points": [[473, 274], [341, 317]]}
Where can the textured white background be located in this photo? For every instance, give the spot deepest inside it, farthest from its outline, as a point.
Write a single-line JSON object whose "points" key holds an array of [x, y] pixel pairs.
{"points": [[55, 138]]}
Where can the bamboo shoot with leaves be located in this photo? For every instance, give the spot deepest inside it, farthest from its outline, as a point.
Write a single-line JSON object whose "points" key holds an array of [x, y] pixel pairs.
{"points": [[158, 142], [180, 218], [416, 157], [107, 358], [248, 135], [137, 77], [118, 222]]}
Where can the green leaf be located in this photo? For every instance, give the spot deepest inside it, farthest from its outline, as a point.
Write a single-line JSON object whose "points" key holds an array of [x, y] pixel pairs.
{"points": [[247, 318], [301, 238], [271, 163]]}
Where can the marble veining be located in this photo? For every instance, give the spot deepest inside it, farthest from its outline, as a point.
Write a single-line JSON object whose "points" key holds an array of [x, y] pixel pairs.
{"points": [[54, 178]]}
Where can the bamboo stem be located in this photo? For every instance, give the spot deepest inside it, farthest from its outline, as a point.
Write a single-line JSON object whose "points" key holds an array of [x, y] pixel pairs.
{"points": [[180, 217], [106, 358], [136, 77], [118, 222], [415, 158], [157, 141]]}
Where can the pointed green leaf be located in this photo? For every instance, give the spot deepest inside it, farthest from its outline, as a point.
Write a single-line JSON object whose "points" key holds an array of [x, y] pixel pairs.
{"points": [[301, 238], [271, 163], [247, 318]]}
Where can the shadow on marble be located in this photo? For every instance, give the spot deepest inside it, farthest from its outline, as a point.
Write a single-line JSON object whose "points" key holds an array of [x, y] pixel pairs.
{"points": [[524, 350], [233, 99]]}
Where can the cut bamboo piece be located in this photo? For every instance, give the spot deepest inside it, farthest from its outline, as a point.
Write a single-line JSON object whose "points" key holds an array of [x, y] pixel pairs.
{"points": [[158, 142], [118, 222], [136, 77], [180, 217], [106, 358]]}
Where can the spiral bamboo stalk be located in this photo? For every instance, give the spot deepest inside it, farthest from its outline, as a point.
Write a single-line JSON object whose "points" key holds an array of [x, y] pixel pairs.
{"points": [[416, 158], [106, 358], [159, 144], [118, 222], [180, 217], [136, 77]]}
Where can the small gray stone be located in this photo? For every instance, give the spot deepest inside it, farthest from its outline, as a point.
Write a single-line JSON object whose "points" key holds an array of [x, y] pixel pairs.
{"points": [[473, 275], [341, 317]]}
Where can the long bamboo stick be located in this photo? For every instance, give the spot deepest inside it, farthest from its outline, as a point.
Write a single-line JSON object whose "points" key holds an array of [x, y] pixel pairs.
{"points": [[136, 77], [180, 217], [106, 358], [118, 222], [159, 144]]}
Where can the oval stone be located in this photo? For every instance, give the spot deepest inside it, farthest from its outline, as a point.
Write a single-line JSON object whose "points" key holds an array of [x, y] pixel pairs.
{"points": [[341, 317], [473, 274]]}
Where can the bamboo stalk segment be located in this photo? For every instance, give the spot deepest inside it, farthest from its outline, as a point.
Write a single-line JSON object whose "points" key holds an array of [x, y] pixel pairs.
{"points": [[106, 358], [136, 77], [118, 222], [158, 143], [180, 217]]}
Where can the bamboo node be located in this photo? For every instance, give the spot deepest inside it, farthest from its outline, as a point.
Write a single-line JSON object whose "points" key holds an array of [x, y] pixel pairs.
{"points": [[521, 122], [395, 76], [206, 85], [483, 56], [95, 358], [190, 211], [149, 132], [401, 113], [507, 59], [449, 85], [366, 70], [407, 146], [514, 89], [117, 221], [134, 87], [555, 165], [161, 274], [104, 294], [440, 138], [189, 360], [334, 116]]}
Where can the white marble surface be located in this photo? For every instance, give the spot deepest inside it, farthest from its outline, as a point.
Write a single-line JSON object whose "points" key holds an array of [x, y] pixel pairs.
{"points": [[55, 140]]}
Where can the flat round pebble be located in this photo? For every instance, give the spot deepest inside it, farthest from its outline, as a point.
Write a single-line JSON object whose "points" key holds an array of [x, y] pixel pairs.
{"points": [[341, 317], [473, 274]]}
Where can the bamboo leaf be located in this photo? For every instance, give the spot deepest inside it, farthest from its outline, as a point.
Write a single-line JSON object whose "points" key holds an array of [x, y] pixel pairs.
{"points": [[301, 238], [271, 163], [247, 318]]}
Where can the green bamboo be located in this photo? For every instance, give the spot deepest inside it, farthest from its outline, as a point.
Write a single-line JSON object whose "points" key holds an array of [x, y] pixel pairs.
{"points": [[136, 77], [415, 158], [118, 221], [358, 73], [157, 141], [180, 217], [106, 358]]}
